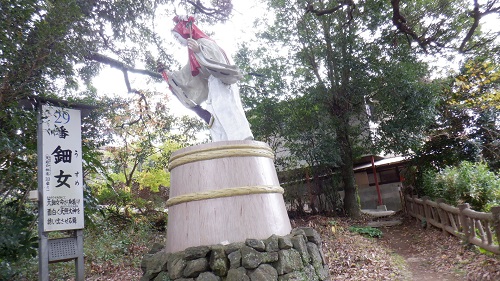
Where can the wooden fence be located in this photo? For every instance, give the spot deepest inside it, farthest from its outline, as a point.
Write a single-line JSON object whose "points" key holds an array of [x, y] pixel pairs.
{"points": [[478, 228]]}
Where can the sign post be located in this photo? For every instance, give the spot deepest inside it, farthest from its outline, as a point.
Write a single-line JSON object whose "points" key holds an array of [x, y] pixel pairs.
{"points": [[60, 188]]}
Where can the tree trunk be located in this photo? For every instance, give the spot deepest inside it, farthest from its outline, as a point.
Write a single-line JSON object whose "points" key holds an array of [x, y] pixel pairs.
{"points": [[351, 202]]}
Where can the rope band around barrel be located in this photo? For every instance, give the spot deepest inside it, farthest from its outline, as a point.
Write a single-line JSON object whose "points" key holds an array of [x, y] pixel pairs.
{"points": [[219, 152], [225, 192]]}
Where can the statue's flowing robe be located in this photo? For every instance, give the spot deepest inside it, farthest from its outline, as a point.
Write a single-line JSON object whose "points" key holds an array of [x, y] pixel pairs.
{"points": [[215, 85]]}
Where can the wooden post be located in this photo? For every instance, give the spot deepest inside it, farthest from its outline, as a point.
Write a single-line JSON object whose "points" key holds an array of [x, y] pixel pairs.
{"points": [[43, 256], [495, 211], [442, 215], [43, 237], [464, 221], [379, 195], [402, 199], [409, 205], [79, 261], [416, 208], [427, 213]]}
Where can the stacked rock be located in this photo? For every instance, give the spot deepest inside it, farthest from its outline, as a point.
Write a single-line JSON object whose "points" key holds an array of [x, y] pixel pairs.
{"points": [[296, 256]]}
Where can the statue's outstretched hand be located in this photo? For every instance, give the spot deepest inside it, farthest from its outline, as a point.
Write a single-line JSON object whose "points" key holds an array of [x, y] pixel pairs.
{"points": [[160, 67], [193, 45]]}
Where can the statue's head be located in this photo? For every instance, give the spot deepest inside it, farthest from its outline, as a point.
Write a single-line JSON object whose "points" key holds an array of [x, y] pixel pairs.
{"points": [[185, 27]]}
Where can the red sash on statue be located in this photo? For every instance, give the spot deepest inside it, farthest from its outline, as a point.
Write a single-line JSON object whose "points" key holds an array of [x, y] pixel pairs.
{"points": [[193, 62]]}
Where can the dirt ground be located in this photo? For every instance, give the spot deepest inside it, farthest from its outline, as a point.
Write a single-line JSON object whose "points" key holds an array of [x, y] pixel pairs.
{"points": [[433, 255], [405, 252], [420, 255]]}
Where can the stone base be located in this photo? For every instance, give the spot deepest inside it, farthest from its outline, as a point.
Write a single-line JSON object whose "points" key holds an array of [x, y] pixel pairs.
{"points": [[296, 256]]}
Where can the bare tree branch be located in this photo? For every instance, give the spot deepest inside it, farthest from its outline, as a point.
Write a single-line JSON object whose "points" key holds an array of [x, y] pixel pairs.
{"points": [[310, 9], [127, 82], [120, 65], [477, 16], [126, 69], [221, 10], [346, 3], [424, 42], [401, 24]]}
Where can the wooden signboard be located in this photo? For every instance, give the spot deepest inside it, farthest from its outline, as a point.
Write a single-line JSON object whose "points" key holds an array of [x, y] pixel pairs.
{"points": [[60, 188]]}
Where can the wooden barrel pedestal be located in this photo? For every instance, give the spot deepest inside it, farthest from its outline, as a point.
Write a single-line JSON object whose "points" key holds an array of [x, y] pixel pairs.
{"points": [[224, 192]]}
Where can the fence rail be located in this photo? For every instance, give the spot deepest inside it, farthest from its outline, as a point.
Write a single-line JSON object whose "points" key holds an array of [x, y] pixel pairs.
{"points": [[478, 228]]}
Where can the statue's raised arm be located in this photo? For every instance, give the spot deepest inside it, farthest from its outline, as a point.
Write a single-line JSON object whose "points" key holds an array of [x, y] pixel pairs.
{"points": [[210, 79]]}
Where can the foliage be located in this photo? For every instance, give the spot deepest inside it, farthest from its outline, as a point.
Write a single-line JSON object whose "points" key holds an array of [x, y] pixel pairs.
{"points": [[332, 195], [476, 94], [329, 68], [317, 186], [144, 189], [115, 242], [471, 183], [477, 86], [140, 128], [17, 237], [466, 125], [144, 197], [367, 231], [108, 247]]}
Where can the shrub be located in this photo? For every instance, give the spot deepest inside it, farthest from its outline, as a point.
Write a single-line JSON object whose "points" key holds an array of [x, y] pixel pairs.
{"points": [[109, 247], [367, 231], [471, 183], [17, 237]]}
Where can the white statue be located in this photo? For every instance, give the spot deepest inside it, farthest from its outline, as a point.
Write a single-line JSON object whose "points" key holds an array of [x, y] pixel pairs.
{"points": [[208, 77]]}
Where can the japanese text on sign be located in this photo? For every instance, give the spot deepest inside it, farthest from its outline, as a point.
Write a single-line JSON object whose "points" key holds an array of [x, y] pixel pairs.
{"points": [[62, 188]]}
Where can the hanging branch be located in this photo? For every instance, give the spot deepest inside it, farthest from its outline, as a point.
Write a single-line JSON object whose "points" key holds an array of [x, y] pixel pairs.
{"points": [[120, 65], [221, 10], [401, 24], [477, 15], [347, 3], [125, 70]]}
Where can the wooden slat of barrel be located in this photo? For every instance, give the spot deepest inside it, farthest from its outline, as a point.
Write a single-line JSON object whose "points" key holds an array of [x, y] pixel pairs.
{"points": [[226, 219]]}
